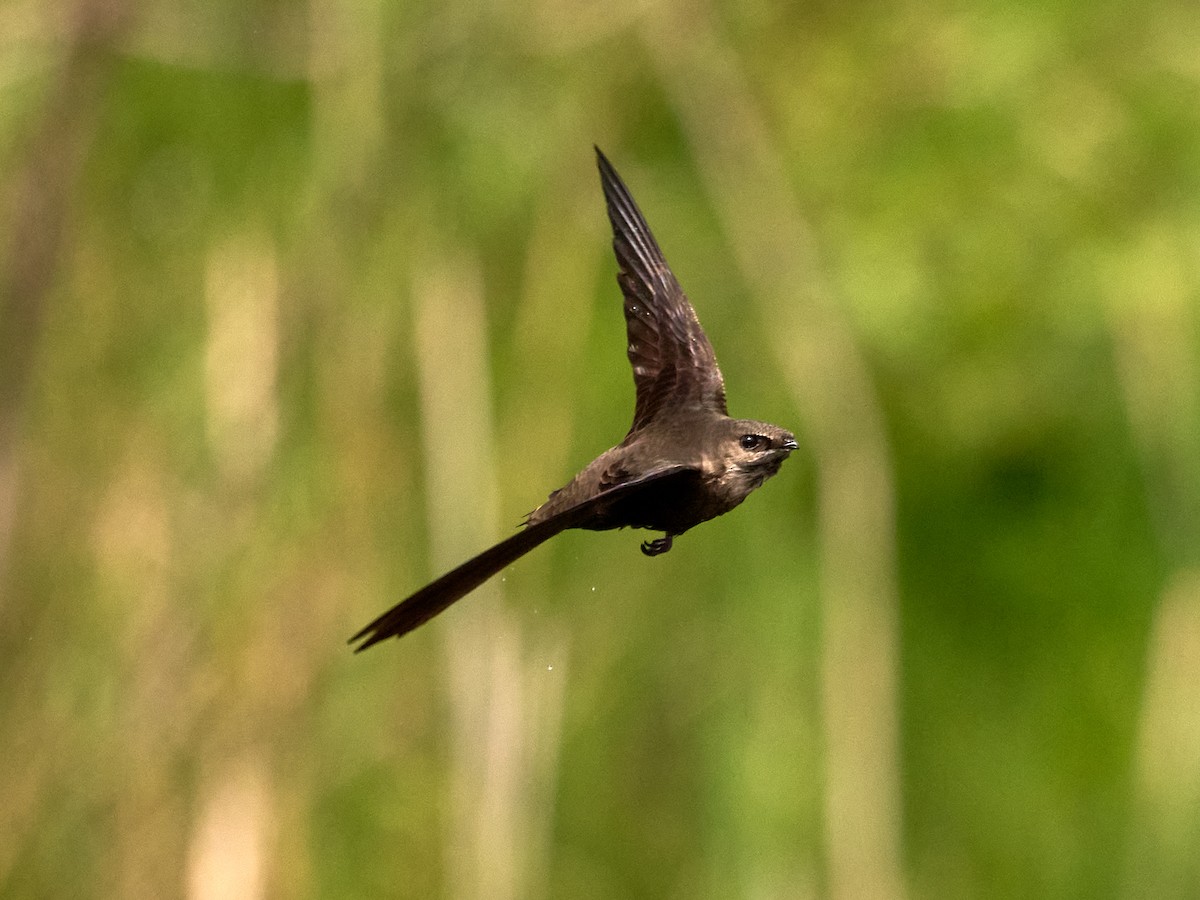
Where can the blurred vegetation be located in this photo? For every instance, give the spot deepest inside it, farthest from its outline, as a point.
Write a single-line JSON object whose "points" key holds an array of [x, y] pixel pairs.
{"points": [[304, 303]]}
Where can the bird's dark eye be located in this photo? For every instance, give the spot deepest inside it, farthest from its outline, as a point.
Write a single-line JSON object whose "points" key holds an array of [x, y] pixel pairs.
{"points": [[754, 442]]}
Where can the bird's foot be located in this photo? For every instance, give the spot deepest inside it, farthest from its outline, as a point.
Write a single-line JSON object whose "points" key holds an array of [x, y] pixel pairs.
{"points": [[655, 547]]}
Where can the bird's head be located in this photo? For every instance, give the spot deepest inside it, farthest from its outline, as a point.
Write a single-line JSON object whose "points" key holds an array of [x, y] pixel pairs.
{"points": [[754, 451]]}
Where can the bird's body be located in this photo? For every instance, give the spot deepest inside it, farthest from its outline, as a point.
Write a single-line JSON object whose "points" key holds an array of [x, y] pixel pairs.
{"points": [[684, 460], [694, 441]]}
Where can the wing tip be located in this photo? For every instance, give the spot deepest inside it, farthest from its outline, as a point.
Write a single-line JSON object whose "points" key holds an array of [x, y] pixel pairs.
{"points": [[609, 179], [628, 223]]}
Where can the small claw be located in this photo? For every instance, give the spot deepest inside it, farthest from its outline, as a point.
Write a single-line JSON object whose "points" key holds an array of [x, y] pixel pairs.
{"points": [[655, 547]]}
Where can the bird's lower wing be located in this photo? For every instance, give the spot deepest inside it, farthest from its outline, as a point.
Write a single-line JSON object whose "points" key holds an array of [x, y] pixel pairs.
{"points": [[457, 583]]}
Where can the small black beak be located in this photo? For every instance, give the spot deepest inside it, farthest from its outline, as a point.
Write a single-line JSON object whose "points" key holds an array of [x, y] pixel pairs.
{"points": [[790, 445]]}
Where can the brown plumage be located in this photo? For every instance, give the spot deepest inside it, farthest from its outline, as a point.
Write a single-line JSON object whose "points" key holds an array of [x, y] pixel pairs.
{"points": [[684, 460]]}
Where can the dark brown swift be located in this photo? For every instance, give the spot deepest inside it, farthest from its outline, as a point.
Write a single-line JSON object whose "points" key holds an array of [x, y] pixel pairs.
{"points": [[684, 460]]}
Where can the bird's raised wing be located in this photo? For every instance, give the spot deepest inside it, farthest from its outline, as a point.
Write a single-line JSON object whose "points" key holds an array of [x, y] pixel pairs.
{"points": [[673, 362], [607, 509]]}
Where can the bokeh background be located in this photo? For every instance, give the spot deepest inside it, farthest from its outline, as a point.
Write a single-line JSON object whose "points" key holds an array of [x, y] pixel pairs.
{"points": [[305, 302]]}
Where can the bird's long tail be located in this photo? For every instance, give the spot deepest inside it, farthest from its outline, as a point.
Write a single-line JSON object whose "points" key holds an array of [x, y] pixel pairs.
{"points": [[457, 583]]}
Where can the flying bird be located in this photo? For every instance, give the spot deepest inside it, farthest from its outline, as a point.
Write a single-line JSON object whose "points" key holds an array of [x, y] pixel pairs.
{"points": [[684, 460]]}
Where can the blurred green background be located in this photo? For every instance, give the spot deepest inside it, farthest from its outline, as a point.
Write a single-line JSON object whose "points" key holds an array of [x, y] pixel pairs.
{"points": [[304, 303]]}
